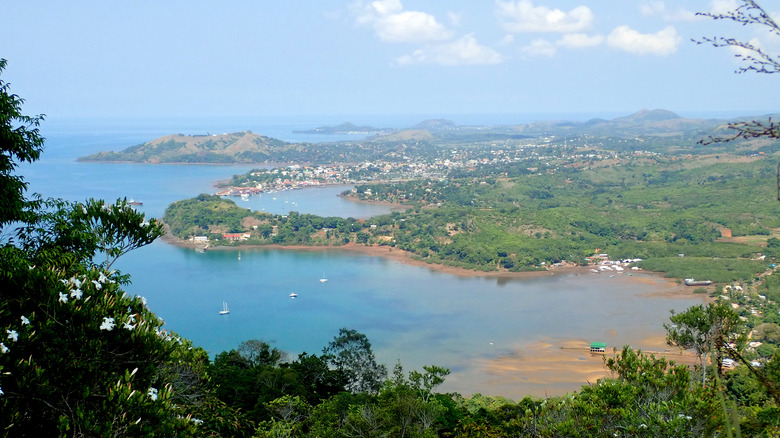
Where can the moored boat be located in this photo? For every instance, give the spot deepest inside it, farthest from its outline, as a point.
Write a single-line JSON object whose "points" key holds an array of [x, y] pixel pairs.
{"points": [[692, 282]]}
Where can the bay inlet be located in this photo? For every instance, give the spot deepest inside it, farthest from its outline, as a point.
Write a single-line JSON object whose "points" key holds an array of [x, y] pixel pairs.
{"points": [[499, 336]]}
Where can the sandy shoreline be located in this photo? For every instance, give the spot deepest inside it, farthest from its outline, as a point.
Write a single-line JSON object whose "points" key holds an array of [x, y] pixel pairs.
{"points": [[550, 367]]}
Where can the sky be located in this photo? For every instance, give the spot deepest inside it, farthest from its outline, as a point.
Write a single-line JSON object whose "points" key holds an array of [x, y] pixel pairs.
{"points": [[177, 58]]}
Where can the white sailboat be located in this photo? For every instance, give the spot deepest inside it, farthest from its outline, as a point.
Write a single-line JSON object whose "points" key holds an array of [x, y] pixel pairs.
{"points": [[239, 255], [293, 295], [225, 309], [323, 279]]}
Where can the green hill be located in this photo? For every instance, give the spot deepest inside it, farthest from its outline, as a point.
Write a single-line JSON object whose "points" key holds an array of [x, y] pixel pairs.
{"points": [[237, 147]]}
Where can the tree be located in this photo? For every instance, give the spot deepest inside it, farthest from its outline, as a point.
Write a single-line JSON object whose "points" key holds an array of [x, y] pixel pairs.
{"points": [[756, 60], [350, 352], [705, 329], [20, 141], [78, 355], [259, 353], [318, 381]]}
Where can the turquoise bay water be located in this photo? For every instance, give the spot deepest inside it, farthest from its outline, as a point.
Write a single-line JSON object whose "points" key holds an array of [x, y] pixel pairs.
{"points": [[410, 313]]}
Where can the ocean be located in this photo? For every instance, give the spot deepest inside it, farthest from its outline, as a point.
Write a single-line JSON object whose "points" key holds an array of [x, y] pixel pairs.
{"points": [[411, 314]]}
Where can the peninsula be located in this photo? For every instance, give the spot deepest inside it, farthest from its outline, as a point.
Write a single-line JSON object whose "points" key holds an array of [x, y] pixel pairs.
{"points": [[531, 203]]}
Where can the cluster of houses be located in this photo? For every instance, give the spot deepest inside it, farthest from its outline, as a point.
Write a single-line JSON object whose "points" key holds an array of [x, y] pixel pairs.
{"points": [[233, 237], [744, 303], [603, 263]]}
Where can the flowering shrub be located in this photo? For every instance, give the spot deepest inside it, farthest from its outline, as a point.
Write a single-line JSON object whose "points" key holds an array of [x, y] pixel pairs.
{"points": [[80, 356]]}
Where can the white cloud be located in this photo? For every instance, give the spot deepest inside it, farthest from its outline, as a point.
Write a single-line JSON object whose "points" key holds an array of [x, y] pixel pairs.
{"points": [[658, 9], [394, 25], [540, 47], [739, 51], [455, 18], [663, 42], [522, 16], [578, 40], [463, 51], [723, 6]]}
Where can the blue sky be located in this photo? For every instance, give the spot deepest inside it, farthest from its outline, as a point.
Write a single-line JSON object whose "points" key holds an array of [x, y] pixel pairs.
{"points": [[330, 57]]}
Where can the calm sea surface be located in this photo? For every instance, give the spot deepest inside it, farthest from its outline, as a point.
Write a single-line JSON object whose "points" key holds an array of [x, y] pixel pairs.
{"points": [[410, 313]]}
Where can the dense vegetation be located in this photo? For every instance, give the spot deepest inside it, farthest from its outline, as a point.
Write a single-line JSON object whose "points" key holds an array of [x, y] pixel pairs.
{"points": [[646, 396]]}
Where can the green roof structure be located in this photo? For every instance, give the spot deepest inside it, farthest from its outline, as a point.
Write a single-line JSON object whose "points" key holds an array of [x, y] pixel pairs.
{"points": [[598, 347]]}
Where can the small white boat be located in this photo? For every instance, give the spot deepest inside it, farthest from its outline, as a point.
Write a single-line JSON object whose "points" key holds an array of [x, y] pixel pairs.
{"points": [[239, 255], [225, 309], [323, 280], [293, 295]]}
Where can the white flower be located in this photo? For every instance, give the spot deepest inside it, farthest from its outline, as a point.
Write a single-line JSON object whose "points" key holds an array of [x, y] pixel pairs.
{"points": [[76, 294], [63, 297], [143, 300], [76, 282], [153, 393], [97, 284], [108, 324], [12, 335], [102, 278], [1, 391], [25, 321], [3, 348], [64, 281], [196, 420], [128, 326], [84, 209], [131, 318]]}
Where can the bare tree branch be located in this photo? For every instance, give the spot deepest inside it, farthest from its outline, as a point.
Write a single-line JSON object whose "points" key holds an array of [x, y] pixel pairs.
{"points": [[749, 13]]}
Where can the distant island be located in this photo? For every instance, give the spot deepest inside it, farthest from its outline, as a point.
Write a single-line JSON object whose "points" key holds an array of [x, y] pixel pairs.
{"points": [[344, 128]]}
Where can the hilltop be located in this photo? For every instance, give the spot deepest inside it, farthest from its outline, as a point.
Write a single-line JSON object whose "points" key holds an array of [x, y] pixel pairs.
{"points": [[236, 147]]}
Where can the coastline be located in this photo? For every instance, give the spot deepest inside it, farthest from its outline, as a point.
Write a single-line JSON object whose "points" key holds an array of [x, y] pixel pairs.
{"points": [[672, 287], [393, 206], [390, 253]]}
